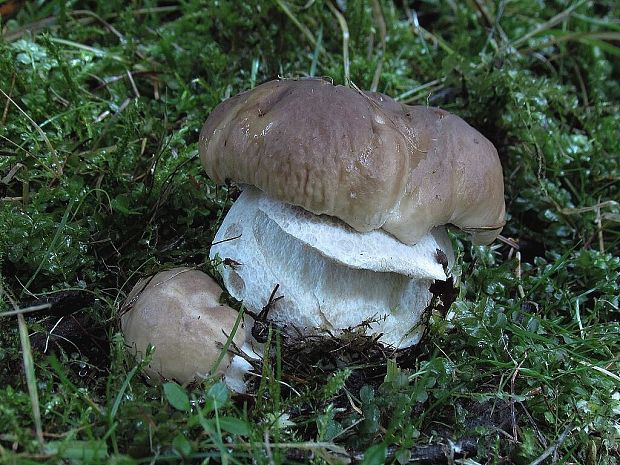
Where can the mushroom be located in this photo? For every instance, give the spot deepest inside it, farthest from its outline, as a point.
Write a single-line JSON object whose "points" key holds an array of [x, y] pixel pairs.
{"points": [[178, 312], [345, 199]]}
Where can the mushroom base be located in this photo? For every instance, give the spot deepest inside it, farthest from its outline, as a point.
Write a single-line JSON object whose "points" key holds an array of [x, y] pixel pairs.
{"points": [[330, 277]]}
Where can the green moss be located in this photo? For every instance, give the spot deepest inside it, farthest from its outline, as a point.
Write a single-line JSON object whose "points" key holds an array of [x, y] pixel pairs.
{"points": [[100, 138]]}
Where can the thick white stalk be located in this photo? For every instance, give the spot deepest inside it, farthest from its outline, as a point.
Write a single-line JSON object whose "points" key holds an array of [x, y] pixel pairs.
{"points": [[330, 276]]}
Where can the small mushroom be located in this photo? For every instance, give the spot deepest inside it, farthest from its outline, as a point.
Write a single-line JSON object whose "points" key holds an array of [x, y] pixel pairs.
{"points": [[346, 195], [178, 312]]}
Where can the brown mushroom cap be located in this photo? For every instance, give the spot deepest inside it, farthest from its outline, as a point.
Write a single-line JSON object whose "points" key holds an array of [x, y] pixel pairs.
{"points": [[178, 312], [362, 157]]}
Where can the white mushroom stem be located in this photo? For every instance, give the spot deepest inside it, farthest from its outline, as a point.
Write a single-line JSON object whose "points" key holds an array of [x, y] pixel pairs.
{"points": [[330, 276]]}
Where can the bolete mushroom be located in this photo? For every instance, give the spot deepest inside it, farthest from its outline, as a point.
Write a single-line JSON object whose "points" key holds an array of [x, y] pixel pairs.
{"points": [[345, 199], [178, 312]]}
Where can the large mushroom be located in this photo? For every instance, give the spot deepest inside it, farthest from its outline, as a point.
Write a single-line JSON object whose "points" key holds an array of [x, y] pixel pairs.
{"points": [[345, 199], [179, 314]]}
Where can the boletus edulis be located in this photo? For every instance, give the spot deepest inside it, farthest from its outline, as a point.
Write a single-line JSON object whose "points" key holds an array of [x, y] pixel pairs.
{"points": [[345, 198], [178, 313]]}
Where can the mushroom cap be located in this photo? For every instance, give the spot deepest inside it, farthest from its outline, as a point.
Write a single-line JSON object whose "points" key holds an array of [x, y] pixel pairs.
{"points": [[361, 157], [178, 312]]}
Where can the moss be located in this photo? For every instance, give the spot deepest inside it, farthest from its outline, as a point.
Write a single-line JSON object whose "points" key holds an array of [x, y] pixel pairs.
{"points": [[100, 184]]}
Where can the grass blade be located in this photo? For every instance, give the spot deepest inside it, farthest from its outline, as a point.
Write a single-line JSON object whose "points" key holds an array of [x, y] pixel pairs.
{"points": [[342, 22], [31, 379]]}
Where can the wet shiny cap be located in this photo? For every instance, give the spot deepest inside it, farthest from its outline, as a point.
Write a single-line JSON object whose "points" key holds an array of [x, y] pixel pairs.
{"points": [[361, 157]]}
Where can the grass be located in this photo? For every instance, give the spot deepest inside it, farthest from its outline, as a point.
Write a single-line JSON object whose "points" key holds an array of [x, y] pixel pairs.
{"points": [[101, 104]]}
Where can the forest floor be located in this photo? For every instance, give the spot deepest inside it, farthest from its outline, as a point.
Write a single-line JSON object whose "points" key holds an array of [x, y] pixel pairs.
{"points": [[101, 104]]}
